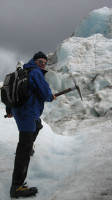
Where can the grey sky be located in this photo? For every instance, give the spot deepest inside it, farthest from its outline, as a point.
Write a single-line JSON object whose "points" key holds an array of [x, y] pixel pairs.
{"points": [[27, 26]]}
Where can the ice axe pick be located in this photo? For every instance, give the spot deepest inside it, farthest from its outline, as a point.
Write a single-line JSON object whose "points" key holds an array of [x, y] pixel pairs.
{"points": [[76, 87]]}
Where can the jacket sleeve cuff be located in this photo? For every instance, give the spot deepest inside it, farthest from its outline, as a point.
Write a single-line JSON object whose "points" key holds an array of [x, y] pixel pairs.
{"points": [[51, 98], [8, 110]]}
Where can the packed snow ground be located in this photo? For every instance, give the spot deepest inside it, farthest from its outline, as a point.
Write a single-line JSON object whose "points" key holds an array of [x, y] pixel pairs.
{"points": [[63, 167]]}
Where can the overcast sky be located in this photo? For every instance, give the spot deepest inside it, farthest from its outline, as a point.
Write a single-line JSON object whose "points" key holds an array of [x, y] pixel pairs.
{"points": [[27, 26]]}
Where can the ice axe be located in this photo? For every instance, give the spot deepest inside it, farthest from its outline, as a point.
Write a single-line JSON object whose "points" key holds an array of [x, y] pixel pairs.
{"points": [[76, 87]]}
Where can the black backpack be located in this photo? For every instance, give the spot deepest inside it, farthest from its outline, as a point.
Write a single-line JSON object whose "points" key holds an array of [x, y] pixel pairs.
{"points": [[15, 89]]}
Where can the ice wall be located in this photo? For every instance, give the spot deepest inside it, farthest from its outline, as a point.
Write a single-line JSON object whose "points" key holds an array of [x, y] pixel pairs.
{"points": [[89, 62], [98, 21]]}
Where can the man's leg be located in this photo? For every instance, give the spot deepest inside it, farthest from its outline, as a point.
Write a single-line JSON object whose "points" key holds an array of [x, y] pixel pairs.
{"points": [[21, 164], [35, 134], [22, 157], [39, 126]]}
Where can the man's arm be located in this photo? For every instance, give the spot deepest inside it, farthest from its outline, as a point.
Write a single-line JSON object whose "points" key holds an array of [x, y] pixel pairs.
{"points": [[42, 86]]}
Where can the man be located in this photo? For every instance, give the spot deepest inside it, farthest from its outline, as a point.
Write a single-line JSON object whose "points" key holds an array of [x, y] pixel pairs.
{"points": [[27, 118]]}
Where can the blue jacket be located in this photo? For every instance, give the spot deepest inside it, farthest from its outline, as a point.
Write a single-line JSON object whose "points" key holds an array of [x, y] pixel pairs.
{"points": [[40, 92]]}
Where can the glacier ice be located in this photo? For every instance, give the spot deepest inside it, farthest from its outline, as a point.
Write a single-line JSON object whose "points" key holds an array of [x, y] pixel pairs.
{"points": [[98, 21], [89, 62]]}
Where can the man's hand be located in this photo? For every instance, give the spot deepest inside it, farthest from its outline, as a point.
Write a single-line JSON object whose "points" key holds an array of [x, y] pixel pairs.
{"points": [[8, 112], [54, 97], [8, 116]]}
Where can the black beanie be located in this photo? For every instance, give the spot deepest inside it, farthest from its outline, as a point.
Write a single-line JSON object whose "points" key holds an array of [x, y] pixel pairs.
{"points": [[39, 55]]}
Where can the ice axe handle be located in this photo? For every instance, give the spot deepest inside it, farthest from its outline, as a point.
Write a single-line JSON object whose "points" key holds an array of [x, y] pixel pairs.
{"points": [[63, 92]]}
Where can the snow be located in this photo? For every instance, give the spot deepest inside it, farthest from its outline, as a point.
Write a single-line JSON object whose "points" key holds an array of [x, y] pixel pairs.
{"points": [[72, 159]]}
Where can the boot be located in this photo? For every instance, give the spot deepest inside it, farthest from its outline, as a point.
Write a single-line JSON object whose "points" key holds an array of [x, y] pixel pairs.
{"points": [[22, 191]]}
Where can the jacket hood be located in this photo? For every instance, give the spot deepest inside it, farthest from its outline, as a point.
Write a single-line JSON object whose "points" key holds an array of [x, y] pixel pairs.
{"points": [[32, 64]]}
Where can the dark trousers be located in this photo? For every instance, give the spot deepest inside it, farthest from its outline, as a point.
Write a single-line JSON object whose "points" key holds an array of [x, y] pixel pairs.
{"points": [[22, 157], [38, 127]]}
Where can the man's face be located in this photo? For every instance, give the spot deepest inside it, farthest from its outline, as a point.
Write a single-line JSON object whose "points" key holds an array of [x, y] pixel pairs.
{"points": [[41, 62]]}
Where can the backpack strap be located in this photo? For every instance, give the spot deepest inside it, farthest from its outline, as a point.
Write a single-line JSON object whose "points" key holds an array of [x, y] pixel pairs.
{"points": [[34, 92], [14, 85]]}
